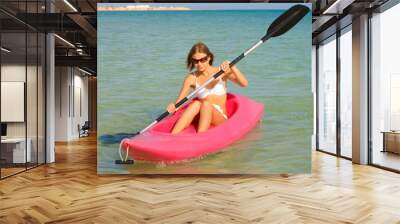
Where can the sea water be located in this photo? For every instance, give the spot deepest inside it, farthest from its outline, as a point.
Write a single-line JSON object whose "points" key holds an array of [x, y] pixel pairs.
{"points": [[142, 63]]}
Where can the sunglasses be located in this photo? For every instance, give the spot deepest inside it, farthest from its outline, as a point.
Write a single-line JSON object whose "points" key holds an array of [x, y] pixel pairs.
{"points": [[202, 60]]}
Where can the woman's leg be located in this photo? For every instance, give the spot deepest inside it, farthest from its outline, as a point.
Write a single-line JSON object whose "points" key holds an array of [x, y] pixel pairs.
{"points": [[205, 116], [187, 117]]}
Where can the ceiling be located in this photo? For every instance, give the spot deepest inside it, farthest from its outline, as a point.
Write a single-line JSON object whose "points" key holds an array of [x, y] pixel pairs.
{"points": [[77, 25], [76, 22]]}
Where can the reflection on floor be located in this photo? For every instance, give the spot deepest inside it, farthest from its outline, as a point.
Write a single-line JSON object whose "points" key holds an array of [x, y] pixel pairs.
{"points": [[9, 169], [387, 159]]}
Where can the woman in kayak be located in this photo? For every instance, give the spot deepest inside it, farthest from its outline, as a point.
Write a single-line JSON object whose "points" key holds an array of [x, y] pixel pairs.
{"points": [[211, 99]]}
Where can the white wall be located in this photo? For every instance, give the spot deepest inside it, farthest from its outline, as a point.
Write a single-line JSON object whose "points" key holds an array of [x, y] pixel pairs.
{"points": [[62, 81], [13, 72], [70, 84], [81, 89]]}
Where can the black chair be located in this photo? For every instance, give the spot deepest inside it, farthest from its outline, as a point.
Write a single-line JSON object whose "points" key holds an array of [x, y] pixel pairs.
{"points": [[84, 130]]}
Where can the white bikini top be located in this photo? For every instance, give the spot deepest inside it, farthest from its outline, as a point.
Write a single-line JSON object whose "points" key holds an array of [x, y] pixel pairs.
{"points": [[219, 89]]}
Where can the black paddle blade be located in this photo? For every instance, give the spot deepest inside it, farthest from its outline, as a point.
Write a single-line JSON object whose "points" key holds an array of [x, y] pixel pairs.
{"points": [[286, 21], [116, 138]]}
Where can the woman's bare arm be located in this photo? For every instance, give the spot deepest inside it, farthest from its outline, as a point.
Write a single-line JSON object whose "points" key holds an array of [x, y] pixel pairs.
{"points": [[238, 77], [182, 93], [234, 74], [187, 83]]}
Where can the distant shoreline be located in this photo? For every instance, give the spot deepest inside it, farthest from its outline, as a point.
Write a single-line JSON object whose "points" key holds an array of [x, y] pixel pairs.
{"points": [[141, 8]]}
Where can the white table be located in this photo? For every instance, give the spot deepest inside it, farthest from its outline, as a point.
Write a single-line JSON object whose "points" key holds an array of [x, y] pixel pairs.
{"points": [[19, 149]]}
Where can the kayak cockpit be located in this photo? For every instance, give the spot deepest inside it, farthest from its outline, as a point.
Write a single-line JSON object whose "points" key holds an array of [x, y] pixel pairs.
{"points": [[167, 125]]}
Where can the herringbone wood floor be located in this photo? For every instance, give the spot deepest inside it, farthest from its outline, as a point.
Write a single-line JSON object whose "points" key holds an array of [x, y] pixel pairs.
{"points": [[70, 191]]}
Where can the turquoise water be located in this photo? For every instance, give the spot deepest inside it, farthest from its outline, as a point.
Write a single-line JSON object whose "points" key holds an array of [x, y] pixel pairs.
{"points": [[141, 65]]}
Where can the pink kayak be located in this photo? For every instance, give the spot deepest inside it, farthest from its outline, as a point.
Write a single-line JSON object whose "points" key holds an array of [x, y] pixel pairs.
{"points": [[159, 145]]}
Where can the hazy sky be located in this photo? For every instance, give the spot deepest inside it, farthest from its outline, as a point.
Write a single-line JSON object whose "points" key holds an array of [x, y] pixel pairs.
{"points": [[212, 6]]}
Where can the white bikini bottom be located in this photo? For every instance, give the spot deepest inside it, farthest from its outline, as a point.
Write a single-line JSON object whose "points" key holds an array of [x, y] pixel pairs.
{"points": [[219, 109]]}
